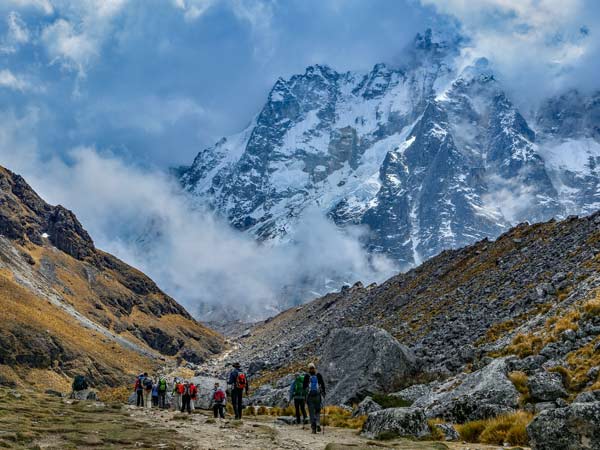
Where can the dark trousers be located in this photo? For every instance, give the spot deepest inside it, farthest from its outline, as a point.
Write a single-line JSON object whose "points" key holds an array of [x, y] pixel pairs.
{"points": [[140, 398], [162, 400], [186, 403], [314, 409], [219, 410], [155, 400], [236, 400], [299, 405]]}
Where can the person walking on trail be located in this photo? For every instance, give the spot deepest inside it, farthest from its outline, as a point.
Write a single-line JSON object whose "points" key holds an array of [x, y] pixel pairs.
{"points": [[139, 390], [298, 394], [162, 393], [193, 395], [219, 398], [239, 383], [315, 392], [186, 397], [147, 391], [155, 395], [177, 385]]}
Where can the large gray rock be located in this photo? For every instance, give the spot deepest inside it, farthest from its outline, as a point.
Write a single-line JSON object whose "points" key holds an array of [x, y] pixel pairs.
{"points": [[367, 406], [205, 387], [546, 387], [479, 395], [588, 397], [362, 361], [410, 422], [572, 428]]}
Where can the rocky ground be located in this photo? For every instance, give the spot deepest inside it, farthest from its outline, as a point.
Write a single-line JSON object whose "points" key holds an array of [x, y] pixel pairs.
{"points": [[42, 421]]}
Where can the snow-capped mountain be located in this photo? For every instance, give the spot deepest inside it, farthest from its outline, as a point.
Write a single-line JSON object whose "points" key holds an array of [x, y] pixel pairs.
{"points": [[430, 154]]}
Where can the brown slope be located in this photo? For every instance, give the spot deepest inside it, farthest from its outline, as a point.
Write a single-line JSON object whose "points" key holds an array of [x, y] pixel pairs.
{"points": [[457, 307], [70, 307]]}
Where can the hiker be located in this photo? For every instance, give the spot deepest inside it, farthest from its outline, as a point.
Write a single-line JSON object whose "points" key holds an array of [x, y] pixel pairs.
{"points": [[298, 394], [139, 390], [177, 385], [162, 392], [155, 395], [219, 398], [147, 391], [315, 392], [239, 383], [193, 395], [186, 397], [79, 383]]}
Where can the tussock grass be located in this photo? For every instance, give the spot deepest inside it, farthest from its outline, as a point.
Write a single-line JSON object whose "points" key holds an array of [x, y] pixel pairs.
{"points": [[507, 428], [334, 416]]}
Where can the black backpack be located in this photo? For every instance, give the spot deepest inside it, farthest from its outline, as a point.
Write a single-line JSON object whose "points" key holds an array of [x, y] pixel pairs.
{"points": [[80, 383]]}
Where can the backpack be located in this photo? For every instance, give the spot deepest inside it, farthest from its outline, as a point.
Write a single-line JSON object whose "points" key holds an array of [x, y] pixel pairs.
{"points": [[299, 386], [193, 390], [79, 383], [148, 384], [314, 384], [162, 385], [219, 396], [240, 381]]}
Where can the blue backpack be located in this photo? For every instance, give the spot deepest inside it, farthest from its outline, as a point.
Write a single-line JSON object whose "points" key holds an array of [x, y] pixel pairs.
{"points": [[314, 384]]}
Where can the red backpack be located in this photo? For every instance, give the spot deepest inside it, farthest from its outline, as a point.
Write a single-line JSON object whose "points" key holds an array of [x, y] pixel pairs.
{"points": [[219, 396], [193, 390], [240, 381]]}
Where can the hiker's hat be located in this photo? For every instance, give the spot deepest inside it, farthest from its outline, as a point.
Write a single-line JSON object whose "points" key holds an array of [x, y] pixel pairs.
{"points": [[236, 365], [311, 366]]}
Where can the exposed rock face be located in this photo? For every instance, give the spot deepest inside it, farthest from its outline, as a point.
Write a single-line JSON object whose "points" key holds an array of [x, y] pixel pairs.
{"points": [[479, 395], [205, 387], [361, 361], [574, 427], [450, 433], [410, 422], [546, 386], [367, 406]]}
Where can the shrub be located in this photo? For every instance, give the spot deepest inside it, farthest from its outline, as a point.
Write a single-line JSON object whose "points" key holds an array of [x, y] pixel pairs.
{"points": [[334, 416], [390, 401], [592, 307]]}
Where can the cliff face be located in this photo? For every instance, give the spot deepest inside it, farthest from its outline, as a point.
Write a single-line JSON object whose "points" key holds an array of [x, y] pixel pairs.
{"points": [[69, 307]]}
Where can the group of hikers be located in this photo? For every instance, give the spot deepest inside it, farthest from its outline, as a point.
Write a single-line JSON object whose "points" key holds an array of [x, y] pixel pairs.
{"points": [[307, 389]]}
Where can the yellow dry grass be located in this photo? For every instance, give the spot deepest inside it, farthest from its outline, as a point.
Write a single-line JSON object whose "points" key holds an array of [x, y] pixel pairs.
{"points": [[507, 428]]}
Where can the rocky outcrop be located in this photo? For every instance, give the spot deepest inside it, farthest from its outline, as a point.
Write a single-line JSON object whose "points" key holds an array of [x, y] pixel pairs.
{"points": [[86, 394], [546, 387], [276, 394], [367, 406], [205, 387], [479, 395], [408, 422], [360, 361], [574, 427]]}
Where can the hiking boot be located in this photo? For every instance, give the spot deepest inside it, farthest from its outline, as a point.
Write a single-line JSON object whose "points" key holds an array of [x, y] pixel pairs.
{"points": [[314, 429], [318, 428], [305, 421]]}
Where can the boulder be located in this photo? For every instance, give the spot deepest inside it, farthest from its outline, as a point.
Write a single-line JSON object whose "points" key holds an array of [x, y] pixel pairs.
{"points": [[362, 361], [408, 422], [479, 395], [268, 395], [588, 397], [86, 394], [287, 420], [367, 406], [546, 387], [205, 387], [574, 427]]}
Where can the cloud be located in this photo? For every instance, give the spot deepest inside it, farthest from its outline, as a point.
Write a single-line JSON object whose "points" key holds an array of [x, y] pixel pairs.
{"points": [[10, 81], [143, 217], [193, 9], [17, 34], [39, 5], [538, 47]]}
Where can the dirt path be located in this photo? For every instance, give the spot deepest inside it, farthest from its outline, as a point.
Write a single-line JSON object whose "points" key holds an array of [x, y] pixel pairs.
{"points": [[203, 432]]}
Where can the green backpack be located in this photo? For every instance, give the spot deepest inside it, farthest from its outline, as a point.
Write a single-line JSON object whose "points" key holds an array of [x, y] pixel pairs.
{"points": [[162, 385], [299, 386]]}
